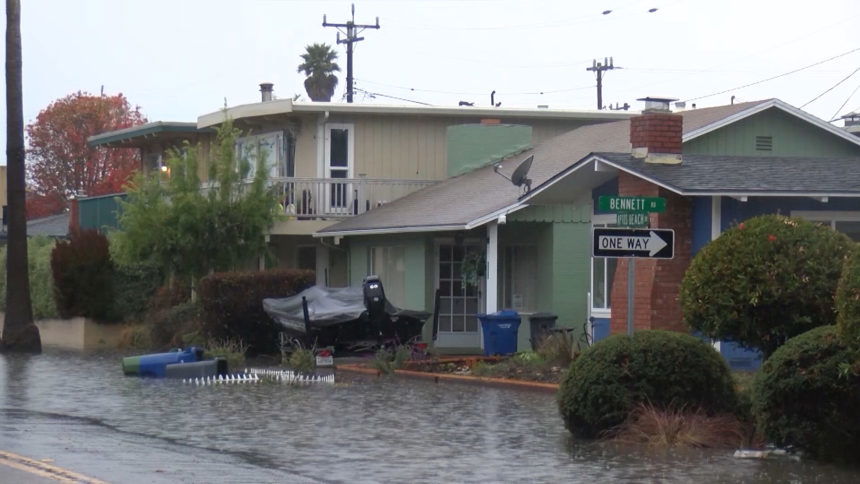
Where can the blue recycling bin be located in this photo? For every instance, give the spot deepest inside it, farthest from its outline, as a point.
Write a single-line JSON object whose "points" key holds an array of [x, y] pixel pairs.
{"points": [[154, 365], [500, 332]]}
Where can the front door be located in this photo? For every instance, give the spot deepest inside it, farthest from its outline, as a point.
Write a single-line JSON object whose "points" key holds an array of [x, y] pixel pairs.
{"points": [[459, 302], [338, 164]]}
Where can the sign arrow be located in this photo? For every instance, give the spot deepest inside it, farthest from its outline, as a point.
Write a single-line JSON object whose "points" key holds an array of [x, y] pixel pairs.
{"points": [[612, 242]]}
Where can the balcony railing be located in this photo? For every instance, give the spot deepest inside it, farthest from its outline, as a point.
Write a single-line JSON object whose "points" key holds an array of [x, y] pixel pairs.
{"points": [[310, 198]]}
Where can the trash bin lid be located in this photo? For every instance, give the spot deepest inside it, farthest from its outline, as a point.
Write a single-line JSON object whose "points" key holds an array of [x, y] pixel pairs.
{"points": [[503, 314], [543, 316]]}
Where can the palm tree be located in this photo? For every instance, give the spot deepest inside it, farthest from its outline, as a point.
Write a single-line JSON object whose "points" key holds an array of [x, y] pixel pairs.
{"points": [[19, 332], [319, 65]]}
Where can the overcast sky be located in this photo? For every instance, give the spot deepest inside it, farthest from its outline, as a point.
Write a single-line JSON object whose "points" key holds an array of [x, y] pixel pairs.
{"points": [[178, 59]]}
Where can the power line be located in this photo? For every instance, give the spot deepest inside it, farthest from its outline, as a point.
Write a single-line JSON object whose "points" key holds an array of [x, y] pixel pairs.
{"points": [[775, 77], [830, 88], [352, 30], [475, 93], [834, 117], [375, 94]]}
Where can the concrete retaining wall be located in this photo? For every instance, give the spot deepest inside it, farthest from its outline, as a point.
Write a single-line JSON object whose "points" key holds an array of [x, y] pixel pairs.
{"points": [[76, 333]]}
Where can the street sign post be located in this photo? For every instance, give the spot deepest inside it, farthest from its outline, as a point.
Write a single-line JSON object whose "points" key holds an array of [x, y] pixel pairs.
{"points": [[639, 243], [619, 204], [632, 244]]}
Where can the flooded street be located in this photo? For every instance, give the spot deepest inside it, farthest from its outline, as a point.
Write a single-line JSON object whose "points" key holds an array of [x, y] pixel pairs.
{"points": [[84, 414]]}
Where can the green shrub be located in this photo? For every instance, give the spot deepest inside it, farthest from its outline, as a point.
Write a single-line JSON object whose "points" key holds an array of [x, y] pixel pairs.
{"points": [[764, 281], [133, 288], [41, 281], [231, 350], [666, 369], [848, 299], [232, 305], [83, 275], [387, 360], [302, 360], [803, 399]]}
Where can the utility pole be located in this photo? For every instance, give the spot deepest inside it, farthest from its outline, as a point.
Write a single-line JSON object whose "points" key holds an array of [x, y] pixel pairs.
{"points": [[352, 30], [598, 68]]}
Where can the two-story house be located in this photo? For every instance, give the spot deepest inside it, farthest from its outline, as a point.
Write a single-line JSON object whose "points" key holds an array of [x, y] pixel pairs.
{"points": [[333, 161]]}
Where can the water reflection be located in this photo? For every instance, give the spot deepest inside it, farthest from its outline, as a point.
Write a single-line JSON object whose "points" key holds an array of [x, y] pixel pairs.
{"points": [[362, 429]]}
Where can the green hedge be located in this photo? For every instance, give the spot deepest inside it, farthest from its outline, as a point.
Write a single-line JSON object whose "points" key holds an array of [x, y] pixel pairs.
{"points": [[232, 304], [765, 280], [666, 369], [83, 276], [133, 288], [848, 299], [41, 281], [807, 395]]}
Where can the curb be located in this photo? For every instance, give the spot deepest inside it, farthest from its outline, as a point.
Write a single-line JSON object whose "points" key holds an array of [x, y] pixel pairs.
{"points": [[44, 469], [447, 377]]}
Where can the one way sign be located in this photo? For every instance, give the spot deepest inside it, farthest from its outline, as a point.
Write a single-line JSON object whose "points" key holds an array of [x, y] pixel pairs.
{"points": [[645, 243]]}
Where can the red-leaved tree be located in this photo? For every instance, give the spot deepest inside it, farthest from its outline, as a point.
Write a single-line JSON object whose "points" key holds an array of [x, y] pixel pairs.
{"points": [[60, 164]]}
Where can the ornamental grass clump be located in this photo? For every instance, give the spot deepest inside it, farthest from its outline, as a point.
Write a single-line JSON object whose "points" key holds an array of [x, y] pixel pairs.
{"points": [[764, 281], [680, 427], [668, 370]]}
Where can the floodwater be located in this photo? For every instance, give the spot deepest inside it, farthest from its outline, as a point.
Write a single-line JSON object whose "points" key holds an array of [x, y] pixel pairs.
{"points": [[80, 411]]}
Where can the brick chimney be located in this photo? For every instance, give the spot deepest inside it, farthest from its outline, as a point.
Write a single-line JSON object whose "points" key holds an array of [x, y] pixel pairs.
{"points": [[656, 134], [266, 89]]}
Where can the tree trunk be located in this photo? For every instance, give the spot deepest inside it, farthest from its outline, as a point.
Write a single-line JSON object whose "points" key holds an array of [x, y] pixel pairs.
{"points": [[19, 332]]}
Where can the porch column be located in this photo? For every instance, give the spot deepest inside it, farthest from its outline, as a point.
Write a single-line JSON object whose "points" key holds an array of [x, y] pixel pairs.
{"points": [[492, 267]]}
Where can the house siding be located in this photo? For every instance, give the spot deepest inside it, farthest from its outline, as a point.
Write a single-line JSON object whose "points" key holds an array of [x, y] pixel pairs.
{"points": [[791, 137]]}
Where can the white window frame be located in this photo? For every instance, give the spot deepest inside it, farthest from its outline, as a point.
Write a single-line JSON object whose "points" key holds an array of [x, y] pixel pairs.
{"points": [[600, 220], [506, 290], [250, 146], [327, 168]]}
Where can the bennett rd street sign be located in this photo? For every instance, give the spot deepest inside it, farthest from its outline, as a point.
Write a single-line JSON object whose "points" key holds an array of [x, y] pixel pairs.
{"points": [[618, 204], [644, 243]]}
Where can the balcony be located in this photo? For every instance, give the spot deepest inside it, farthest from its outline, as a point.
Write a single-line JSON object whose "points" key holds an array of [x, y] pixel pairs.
{"points": [[339, 198]]}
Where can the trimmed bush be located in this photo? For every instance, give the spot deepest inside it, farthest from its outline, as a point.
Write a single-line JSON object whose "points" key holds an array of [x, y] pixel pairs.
{"points": [[665, 369], [134, 286], [765, 280], [848, 299], [807, 395], [232, 304], [41, 281], [83, 276]]}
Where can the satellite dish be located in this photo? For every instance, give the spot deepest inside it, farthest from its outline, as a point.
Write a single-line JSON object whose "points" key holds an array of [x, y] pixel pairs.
{"points": [[519, 177]]}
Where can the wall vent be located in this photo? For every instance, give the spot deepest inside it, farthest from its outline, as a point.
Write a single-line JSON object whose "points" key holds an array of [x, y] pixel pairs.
{"points": [[764, 143]]}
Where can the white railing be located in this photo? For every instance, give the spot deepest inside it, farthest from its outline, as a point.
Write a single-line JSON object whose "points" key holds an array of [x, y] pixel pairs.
{"points": [[310, 198]]}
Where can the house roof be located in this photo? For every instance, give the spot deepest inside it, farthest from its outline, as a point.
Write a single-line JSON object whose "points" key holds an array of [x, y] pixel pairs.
{"points": [[50, 226], [127, 137], [745, 175], [286, 106], [474, 198]]}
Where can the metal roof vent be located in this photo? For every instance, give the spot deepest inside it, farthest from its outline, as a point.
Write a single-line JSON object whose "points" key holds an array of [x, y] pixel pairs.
{"points": [[266, 89], [657, 104]]}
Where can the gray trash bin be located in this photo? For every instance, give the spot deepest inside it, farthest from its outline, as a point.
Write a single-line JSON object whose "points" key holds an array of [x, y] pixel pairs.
{"points": [[540, 325]]}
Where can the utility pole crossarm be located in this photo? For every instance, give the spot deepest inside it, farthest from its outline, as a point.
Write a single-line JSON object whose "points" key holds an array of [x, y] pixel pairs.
{"points": [[598, 69], [351, 33]]}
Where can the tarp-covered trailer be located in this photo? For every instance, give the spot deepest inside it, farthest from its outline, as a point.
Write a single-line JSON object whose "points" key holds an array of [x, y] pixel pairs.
{"points": [[348, 318]]}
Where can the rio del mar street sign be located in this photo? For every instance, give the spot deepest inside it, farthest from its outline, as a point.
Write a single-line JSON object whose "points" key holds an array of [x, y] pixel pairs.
{"points": [[641, 243]]}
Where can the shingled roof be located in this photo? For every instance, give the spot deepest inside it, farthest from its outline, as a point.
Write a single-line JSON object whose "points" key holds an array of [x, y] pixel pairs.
{"points": [[747, 175], [474, 198]]}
